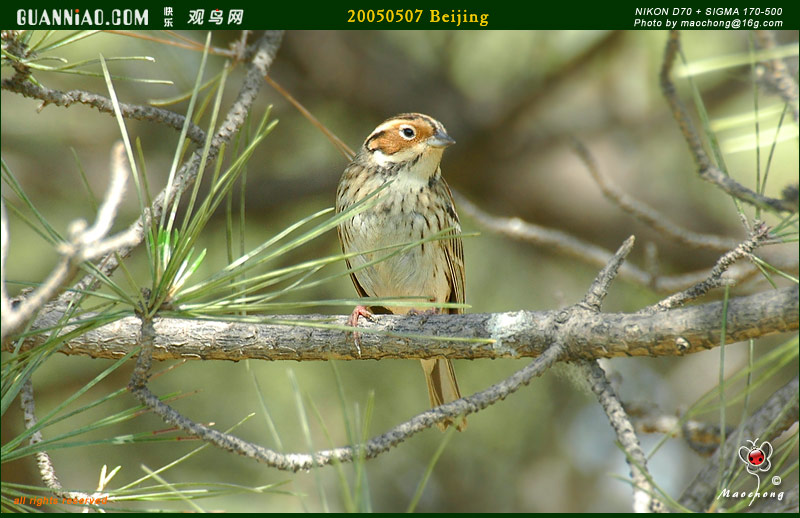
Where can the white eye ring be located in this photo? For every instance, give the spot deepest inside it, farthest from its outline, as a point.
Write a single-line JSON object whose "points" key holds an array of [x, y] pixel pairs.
{"points": [[407, 132]]}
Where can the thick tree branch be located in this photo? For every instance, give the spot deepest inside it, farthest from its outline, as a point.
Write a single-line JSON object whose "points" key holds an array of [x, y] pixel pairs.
{"points": [[370, 449], [504, 335]]}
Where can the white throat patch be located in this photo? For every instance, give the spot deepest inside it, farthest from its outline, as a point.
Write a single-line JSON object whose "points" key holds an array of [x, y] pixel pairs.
{"points": [[382, 159]]}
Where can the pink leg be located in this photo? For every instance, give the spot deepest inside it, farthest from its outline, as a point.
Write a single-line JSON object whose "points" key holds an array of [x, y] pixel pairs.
{"points": [[359, 311]]}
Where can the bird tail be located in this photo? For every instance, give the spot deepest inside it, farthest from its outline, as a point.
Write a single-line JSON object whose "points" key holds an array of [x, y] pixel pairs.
{"points": [[443, 388]]}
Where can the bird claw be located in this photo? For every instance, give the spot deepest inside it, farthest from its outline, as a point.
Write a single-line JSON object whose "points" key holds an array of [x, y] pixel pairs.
{"points": [[352, 321]]}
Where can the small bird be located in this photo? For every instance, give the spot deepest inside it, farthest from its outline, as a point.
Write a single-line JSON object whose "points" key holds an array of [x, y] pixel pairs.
{"points": [[405, 150]]}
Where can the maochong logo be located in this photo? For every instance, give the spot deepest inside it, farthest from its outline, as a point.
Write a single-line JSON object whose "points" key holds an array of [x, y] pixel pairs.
{"points": [[81, 17], [756, 460]]}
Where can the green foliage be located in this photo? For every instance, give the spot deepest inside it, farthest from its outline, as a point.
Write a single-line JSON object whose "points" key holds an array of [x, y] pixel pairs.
{"points": [[179, 273]]}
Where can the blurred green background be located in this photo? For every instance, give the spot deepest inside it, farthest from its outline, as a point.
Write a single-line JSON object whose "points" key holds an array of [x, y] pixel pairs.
{"points": [[511, 100]]}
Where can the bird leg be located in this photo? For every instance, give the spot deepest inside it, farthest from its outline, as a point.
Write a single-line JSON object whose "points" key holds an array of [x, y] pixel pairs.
{"points": [[359, 311]]}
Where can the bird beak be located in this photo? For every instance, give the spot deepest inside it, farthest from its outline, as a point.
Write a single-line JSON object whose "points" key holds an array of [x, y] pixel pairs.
{"points": [[441, 139]]}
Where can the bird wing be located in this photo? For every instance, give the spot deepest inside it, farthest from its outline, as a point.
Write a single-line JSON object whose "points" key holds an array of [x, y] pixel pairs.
{"points": [[454, 255]]}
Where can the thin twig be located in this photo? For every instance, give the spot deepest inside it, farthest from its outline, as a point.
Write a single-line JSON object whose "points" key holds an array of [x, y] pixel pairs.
{"points": [[46, 469], [84, 244], [599, 288], [778, 76], [758, 235], [104, 105], [566, 244], [702, 437], [646, 214], [338, 143], [643, 490], [705, 168], [185, 43]]}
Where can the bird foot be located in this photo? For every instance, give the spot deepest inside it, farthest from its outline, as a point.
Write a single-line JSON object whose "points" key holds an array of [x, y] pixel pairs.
{"points": [[359, 311]]}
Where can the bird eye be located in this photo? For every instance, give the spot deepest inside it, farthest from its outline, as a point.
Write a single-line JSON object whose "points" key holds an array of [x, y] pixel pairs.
{"points": [[407, 132]]}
